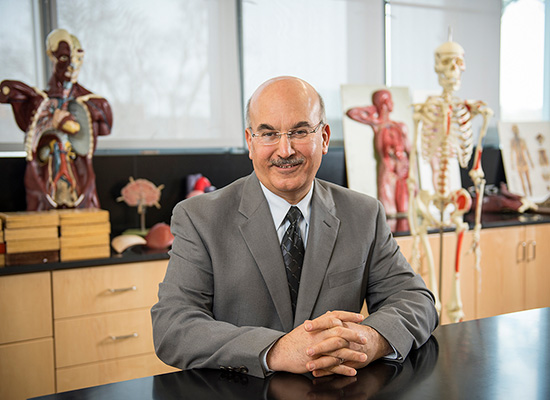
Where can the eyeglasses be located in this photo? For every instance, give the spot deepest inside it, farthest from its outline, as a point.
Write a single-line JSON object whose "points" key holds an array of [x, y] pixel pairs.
{"points": [[295, 135]]}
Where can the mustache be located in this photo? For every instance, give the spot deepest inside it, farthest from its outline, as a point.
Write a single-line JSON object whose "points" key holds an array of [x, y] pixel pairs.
{"points": [[285, 162]]}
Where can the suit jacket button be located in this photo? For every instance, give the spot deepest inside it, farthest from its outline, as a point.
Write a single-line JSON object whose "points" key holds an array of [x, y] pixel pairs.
{"points": [[243, 370]]}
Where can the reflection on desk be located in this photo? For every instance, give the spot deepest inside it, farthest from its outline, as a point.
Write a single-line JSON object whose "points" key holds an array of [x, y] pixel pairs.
{"points": [[503, 357]]}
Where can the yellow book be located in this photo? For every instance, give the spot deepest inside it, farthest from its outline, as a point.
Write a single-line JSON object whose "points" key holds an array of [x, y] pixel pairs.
{"points": [[84, 241], [29, 219], [87, 229], [81, 216], [44, 232], [85, 253], [32, 245]]}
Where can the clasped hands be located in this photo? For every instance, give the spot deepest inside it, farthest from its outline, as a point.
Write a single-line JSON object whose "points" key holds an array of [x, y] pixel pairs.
{"points": [[334, 343]]}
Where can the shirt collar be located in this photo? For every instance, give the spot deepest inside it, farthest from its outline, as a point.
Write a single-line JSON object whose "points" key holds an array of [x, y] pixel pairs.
{"points": [[279, 207]]}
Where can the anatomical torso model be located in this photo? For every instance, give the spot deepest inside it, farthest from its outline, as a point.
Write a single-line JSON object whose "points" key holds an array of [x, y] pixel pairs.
{"points": [[61, 126]]}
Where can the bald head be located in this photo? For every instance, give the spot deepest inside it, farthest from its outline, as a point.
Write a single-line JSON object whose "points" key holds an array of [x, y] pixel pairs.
{"points": [[285, 89]]}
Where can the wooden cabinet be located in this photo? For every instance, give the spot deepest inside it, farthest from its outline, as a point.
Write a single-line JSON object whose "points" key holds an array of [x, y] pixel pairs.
{"points": [[26, 342], [516, 274], [102, 323], [537, 266], [467, 270]]}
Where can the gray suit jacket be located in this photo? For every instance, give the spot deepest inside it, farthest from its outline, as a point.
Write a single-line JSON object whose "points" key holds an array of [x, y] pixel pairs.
{"points": [[225, 296]]}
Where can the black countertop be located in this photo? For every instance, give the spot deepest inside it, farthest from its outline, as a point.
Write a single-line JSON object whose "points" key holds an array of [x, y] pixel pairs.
{"points": [[142, 253], [133, 254], [502, 357]]}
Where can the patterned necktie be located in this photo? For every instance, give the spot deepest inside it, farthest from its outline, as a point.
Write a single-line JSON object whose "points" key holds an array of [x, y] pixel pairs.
{"points": [[293, 253]]}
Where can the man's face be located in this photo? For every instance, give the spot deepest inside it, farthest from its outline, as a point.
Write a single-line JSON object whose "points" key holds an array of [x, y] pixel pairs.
{"points": [[288, 167]]}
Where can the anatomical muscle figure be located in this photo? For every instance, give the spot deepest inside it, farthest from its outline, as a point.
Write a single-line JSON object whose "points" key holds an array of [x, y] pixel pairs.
{"points": [[61, 126], [444, 126], [392, 148]]}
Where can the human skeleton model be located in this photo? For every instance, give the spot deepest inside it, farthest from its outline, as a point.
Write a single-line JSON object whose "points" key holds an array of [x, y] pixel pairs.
{"points": [[521, 160], [61, 126], [445, 129]]}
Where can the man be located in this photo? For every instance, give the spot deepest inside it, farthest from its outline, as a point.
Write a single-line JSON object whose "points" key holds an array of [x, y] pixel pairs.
{"points": [[227, 301]]}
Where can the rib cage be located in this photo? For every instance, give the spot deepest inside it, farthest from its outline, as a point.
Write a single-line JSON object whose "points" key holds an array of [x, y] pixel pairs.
{"points": [[436, 144]]}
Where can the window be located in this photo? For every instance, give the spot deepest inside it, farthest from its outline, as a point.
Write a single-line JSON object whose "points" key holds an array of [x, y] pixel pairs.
{"points": [[19, 60], [169, 70], [522, 61], [325, 42], [414, 29]]}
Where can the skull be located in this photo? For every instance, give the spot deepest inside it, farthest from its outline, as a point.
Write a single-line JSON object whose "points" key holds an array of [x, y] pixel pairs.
{"points": [[449, 64], [68, 60], [77, 57]]}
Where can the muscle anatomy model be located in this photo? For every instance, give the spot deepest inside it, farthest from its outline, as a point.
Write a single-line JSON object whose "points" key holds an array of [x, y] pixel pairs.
{"points": [[443, 124], [61, 126], [392, 148]]}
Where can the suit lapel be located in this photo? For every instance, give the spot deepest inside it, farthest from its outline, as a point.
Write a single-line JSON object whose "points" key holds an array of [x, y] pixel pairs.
{"points": [[262, 241], [322, 236]]}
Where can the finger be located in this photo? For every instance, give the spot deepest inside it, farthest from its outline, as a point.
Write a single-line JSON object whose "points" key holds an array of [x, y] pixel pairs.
{"points": [[335, 339], [347, 356], [332, 319], [347, 359], [340, 370]]}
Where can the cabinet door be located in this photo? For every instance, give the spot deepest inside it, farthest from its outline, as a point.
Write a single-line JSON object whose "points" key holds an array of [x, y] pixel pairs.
{"points": [[467, 271], [537, 266], [26, 369], [25, 307], [84, 291], [102, 337], [502, 285]]}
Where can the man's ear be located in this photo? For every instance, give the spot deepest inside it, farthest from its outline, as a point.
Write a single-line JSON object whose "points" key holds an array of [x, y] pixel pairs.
{"points": [[326, 138], [248, 137]]}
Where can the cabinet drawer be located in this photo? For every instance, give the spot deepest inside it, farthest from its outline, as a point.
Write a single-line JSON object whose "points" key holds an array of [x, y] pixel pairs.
{"points": [[84, 291], [27, 369], [104, 372], [102, 337], [25, 307]]}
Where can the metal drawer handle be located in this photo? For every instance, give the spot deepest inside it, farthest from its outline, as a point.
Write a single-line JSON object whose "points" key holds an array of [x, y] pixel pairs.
{"points": [[122, 337], [521, 246], [533, 245], [120, 290]]}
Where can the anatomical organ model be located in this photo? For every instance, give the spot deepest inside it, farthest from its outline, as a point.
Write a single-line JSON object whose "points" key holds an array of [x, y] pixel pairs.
{"points": [[444, 124], [61, 126]]}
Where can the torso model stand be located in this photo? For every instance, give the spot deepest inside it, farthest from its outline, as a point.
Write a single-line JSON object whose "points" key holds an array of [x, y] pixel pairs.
{"points": [[444, 125]]}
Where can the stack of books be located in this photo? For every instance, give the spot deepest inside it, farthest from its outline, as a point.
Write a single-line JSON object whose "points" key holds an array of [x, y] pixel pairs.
{"points": [[84, 234], [31, 237]]}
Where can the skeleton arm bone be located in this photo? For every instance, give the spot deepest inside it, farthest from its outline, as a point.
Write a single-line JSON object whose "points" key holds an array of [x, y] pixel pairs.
{"points": [[412, 188], [477, 175]]}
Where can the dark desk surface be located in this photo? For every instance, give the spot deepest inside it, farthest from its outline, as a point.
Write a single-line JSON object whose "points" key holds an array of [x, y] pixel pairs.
{"points": [[503, 357]]}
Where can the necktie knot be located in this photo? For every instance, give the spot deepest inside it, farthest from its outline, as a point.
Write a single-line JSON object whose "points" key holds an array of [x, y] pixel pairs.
{"points": [[293, 215]]}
